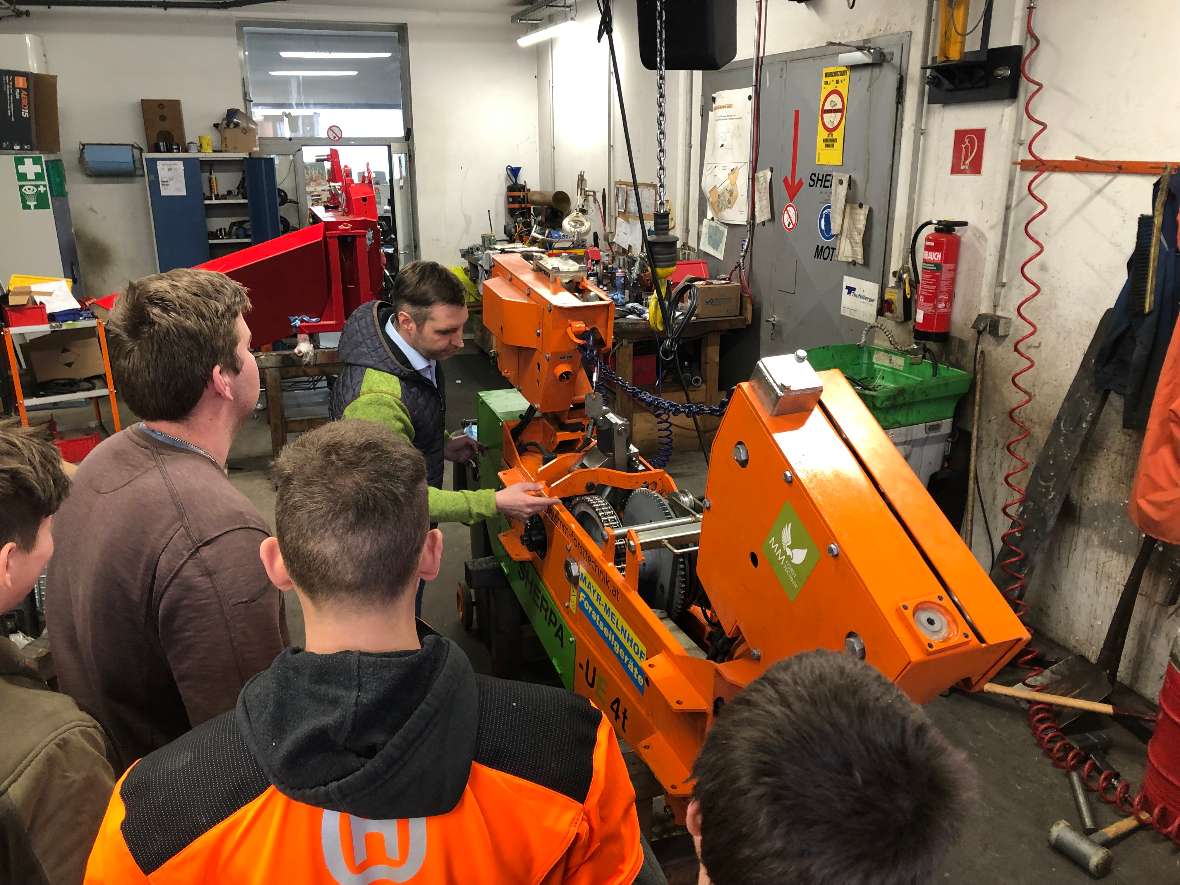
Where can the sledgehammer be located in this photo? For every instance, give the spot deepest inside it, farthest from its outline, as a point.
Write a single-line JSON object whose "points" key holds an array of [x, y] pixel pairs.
{"points": [[1090, 853]]}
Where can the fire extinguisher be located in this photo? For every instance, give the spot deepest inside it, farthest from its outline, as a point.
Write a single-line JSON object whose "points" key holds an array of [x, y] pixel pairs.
{"points": [[935, 296]]}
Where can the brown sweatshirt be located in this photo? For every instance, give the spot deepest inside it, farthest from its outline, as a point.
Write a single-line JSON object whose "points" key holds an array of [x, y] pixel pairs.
{"points": [[157, 605]]}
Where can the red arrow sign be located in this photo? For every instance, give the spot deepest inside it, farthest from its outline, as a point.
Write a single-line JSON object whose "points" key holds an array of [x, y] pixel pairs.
{"points": [[791, 183]]}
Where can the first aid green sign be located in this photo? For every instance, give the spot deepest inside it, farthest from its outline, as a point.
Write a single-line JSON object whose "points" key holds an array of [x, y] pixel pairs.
{"points": [[790, 550], [32, 182]]}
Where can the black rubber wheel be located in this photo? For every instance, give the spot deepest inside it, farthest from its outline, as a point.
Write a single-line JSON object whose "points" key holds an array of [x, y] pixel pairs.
{"points": [[465, 605]]}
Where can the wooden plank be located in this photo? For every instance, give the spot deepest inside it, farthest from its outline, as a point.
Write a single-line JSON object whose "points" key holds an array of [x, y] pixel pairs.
{"points": [[625, 366], [711, 367], [633, 329], [1101, 167], [274, 410], [288, 358]]}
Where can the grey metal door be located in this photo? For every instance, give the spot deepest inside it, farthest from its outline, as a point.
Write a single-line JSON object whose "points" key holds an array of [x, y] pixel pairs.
{"points": [[795, 277]]}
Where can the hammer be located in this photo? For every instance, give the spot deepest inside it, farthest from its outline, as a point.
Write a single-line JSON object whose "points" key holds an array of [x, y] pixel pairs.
{"points": [[1090, 853]]}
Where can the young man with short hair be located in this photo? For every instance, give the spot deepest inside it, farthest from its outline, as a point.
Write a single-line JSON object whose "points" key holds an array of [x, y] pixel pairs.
{"points": [[393, 375], [821, 772], [375, 753], [159, 610], [54, 775]]}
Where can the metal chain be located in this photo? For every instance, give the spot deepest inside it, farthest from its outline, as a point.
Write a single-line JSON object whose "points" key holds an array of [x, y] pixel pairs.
{"points": [[661, 113], [657, 405]]}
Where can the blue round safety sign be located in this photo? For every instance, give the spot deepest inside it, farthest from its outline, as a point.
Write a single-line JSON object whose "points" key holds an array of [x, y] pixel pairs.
{"points": [[825, 223]]}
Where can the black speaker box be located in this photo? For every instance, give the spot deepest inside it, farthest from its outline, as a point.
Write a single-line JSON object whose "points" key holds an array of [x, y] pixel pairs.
{"points": [[701, 35]]}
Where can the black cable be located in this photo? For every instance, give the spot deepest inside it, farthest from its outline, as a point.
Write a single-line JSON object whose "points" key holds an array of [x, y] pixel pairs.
{"points": [[606, 28]]}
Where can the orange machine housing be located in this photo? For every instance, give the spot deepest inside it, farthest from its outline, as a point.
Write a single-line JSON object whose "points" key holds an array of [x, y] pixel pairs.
{"points": [[814, 533], [537, 323]]}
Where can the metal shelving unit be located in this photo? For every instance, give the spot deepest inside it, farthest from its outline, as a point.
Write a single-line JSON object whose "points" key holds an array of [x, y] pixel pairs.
{"points": [[17, 336]]}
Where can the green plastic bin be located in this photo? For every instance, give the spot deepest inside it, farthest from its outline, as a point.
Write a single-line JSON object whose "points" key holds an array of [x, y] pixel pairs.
{"points": [[898, 391]]}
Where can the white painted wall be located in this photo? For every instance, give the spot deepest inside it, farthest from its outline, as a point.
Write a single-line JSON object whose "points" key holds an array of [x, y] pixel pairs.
{"points": [[1091, 111], [474, 102]]}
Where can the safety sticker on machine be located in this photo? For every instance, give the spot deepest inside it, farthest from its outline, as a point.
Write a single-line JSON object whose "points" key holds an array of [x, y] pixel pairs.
{"points": [[790, 550], [614, 630]]}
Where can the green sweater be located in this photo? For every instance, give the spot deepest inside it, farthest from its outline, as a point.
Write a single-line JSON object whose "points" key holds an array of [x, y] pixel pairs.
{"points": [[380, 400]]}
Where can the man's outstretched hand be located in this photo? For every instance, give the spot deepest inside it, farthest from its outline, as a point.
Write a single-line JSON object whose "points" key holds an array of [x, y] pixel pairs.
{"points": [[521, 500]]}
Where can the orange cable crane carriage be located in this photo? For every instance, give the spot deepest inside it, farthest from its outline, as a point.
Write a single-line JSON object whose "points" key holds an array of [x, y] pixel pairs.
{"points": [[660, 607]]}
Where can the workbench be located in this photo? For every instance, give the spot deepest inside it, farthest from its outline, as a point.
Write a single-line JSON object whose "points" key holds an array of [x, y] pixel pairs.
{"points": [[628, 332], [276, 365]]}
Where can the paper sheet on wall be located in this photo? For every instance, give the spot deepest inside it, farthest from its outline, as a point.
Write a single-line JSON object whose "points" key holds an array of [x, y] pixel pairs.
{"points": [[171, 174], [726, 188], [850, 246], [839, 199], [858, 299], [727, 139], [762, 196], [628, 233], [725, 178], [713, 235]]}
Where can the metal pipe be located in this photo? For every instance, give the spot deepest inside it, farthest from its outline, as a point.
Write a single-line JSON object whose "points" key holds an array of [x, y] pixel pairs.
{"points": [[148, 4], [527, 16]]}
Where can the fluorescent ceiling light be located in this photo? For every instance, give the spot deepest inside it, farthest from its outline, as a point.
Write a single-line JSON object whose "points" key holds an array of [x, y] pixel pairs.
{"points": [[290, 112], [544, 33], [300, 54], [312, 73]]}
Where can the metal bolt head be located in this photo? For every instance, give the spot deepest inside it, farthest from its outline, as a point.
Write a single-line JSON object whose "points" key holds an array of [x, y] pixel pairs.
{"points": [[854, 646], [707, 504], [741, 454], [756, 654], [833, 550], [788, 477], [630, 545], [800, 356]]}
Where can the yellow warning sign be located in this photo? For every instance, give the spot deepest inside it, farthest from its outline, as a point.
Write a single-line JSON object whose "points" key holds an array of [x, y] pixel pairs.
{"points": [[833, 109]]}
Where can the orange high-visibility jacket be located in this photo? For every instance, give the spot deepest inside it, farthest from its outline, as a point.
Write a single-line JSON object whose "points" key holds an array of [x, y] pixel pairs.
{"points": [[1154, 505], [378, 768]]}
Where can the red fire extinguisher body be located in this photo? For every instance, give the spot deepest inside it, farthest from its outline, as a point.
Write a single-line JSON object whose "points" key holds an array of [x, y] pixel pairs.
{"points": [[936, 289]]}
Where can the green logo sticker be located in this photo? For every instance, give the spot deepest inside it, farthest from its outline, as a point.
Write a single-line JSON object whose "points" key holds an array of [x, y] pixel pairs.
{"points": [[790, 550]]}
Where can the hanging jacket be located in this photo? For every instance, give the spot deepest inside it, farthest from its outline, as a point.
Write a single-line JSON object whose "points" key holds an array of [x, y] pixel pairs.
{"points": [[379, 384], [1130, 360], [401, 767]]}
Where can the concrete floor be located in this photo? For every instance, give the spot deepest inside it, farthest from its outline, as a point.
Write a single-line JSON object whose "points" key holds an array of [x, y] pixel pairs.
{"points": [[1020, 794]]}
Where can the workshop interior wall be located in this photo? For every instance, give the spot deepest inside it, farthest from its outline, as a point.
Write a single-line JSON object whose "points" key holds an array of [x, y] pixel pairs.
{"points": [[474, 103], [1089, 232]]}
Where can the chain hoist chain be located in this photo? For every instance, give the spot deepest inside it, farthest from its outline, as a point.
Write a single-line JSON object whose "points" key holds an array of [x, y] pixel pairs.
{"points": [[661, 112], [655, 404]]}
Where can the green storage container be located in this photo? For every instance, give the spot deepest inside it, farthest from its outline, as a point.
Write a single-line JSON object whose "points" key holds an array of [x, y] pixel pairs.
{"points": [[898, 391]]}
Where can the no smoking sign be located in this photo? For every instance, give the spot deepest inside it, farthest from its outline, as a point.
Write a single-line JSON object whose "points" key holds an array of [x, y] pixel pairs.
{"points": [[790, 217], [833, 114]]}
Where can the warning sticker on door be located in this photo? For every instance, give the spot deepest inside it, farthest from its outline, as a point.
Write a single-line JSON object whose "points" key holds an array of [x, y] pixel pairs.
{"points": [[833, 110], [791, 552]]}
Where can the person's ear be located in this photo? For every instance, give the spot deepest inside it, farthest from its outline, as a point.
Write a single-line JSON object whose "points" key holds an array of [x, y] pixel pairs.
{"points": [[222, 383], [430, 559], [8, 553], [405, 323], [273, 564], [692, 820]]}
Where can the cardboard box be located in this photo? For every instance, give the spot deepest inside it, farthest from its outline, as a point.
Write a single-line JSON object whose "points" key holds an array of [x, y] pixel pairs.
{"points": [[28, 112], [239, 140], [16, 111], [68, 355], [162, 122], [718, 299]]}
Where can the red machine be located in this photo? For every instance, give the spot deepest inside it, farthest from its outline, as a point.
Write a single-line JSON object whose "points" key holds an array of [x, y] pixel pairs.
{"points": [[936, 286], [312, 279]]}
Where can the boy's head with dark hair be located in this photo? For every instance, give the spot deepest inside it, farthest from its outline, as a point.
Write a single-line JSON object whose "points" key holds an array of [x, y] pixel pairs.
{"points": [[430, 308], [821, 772], [351, 519], [176, 335], [32, 487]]}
